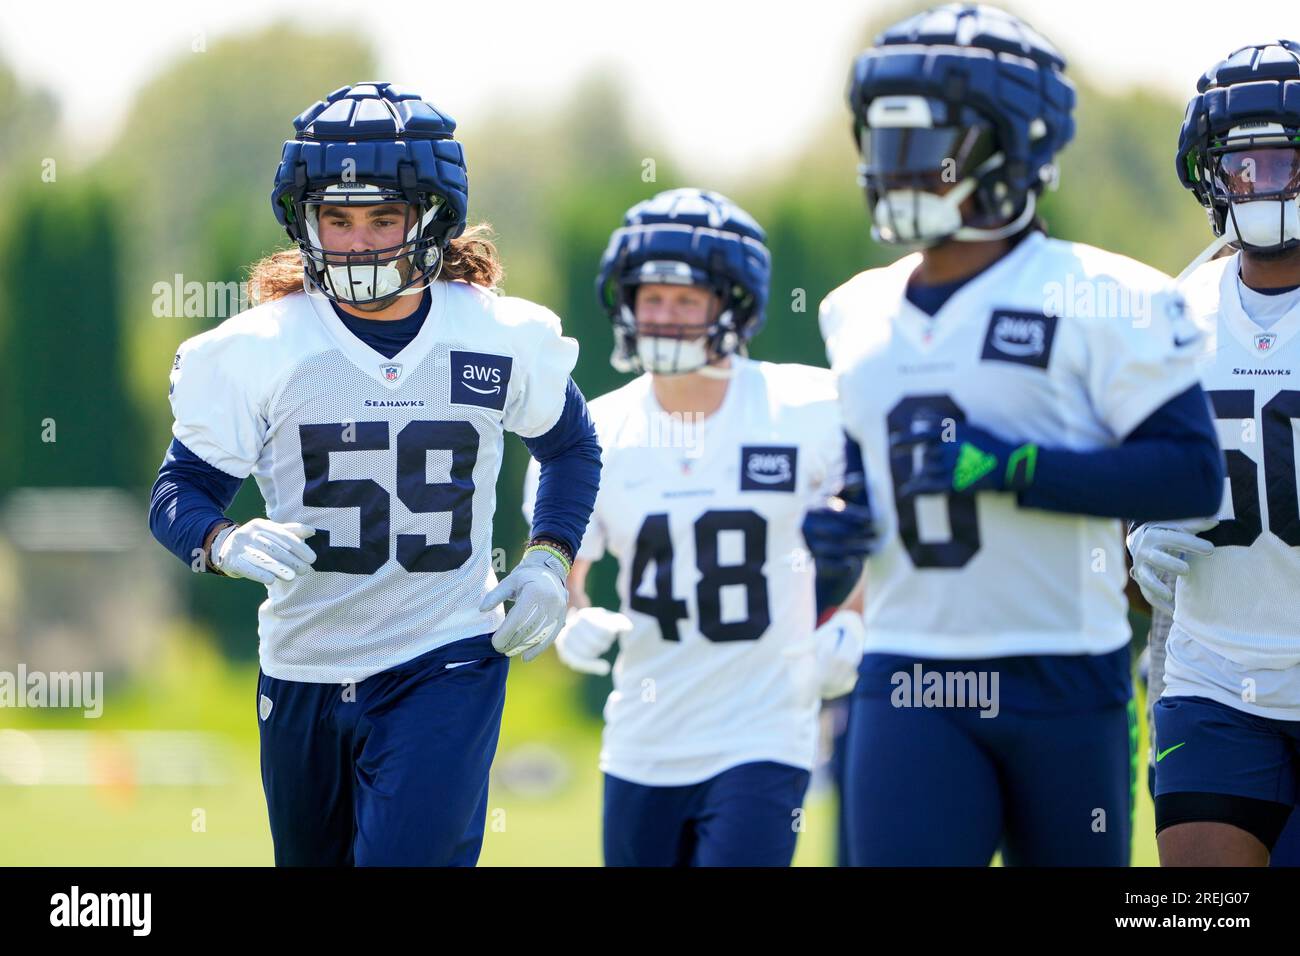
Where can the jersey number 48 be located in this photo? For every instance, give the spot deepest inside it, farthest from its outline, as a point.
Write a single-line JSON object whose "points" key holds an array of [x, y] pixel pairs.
{"points": [[654, 545]]}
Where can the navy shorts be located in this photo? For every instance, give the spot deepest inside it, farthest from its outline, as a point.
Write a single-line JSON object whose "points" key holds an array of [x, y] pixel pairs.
{"points": [[391, 771], [940, 785], [749, 815], [1217, 763]]}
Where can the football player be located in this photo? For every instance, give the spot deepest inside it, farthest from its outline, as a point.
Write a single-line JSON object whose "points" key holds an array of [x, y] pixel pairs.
{"points": [[369, 394], [1013, 395], [710, 462], [1226, 740]]}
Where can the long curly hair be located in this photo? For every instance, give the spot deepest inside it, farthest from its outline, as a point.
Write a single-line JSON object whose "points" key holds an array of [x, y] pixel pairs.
{"points": [[471, 257]]}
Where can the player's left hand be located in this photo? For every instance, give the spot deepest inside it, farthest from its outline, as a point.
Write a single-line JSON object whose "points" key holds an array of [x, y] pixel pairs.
{"points": [[1160, 547], [537, 586], [837, 651], [960, 458]]}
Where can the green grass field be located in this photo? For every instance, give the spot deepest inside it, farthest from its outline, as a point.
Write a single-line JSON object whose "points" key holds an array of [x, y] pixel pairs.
{"points": [[544, 807]]}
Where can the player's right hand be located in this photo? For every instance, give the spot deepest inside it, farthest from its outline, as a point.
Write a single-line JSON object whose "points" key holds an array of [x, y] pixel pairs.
{"points": [[263, 550], [840, 534], [587, 634], [1160, 547]]}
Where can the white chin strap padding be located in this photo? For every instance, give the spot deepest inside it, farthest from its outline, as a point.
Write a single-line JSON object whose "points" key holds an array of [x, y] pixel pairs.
{"points": [[364, 282], [915, 216], [717, 371], [1263, 222], [671, 356]]}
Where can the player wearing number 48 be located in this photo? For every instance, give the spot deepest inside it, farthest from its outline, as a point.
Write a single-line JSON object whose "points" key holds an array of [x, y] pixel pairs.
{"points": [[1226, 728], [1014, 395], [369, 394], [710, 462]]}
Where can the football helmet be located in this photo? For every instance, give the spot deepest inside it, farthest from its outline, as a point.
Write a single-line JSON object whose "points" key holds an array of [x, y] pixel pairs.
{"points": [[1239, 147], [362, 146], [958, 102], [685, 237]]}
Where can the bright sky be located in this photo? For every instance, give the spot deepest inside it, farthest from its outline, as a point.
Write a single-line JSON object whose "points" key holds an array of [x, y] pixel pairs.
{"points": [[779, 67]]}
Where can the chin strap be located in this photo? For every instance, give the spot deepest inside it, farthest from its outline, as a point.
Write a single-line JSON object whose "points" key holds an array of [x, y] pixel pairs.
{"points": [[971, 234], [1208, 253], [717, 371]]}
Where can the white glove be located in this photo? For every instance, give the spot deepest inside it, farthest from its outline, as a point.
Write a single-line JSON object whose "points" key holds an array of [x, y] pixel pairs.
{"points": [[587, 634], [537, 587], [837, 648], [263, 550], [1159, 548]]}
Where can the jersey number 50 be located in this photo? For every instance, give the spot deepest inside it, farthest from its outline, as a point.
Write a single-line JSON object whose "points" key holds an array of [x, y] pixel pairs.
{"points": [[1243, 474]]}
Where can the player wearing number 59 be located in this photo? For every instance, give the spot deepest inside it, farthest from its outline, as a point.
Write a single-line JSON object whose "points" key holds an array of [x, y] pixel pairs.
{"points": [[1226, 738], [1013, 395], [369, 394], [710, 462]]}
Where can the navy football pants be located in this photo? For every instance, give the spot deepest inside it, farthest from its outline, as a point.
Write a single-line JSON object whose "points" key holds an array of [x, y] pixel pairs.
{"points": [[391, 771], [946, 787], [745, 816]]}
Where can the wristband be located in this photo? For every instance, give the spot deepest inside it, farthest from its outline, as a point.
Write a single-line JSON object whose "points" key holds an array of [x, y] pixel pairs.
{"points": [[551, 547]]}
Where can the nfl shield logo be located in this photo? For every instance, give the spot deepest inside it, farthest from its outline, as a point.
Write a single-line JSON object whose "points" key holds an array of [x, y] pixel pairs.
{"points": [[1264, 341], [391, 372]]}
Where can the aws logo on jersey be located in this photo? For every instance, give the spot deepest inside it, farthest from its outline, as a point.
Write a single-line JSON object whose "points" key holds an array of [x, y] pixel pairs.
{"points": [[768, 467], [1023, 338], [480, 378]]}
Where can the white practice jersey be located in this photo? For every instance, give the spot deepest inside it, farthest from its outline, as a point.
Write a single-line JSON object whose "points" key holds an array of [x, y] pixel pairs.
{"points": [[394, 462], [704, 520], [1057, 343], [1236, 631]]}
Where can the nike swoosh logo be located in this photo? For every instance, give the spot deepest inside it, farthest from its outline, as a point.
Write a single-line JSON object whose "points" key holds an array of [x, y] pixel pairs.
{"points": [[461, 663], [1179, 343], [1166, 752]]}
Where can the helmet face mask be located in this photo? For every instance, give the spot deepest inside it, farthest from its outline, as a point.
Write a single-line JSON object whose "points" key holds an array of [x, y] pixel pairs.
{"points": [[684, 237], [918, 178], [366, 146], [1253, 179], [1239, 149], [368, 278], [671, 347]]}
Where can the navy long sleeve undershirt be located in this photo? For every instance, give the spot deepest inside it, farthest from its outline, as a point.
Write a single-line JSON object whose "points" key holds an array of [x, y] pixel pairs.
{"points": [[1169, 467], [569, 455], [189, 497]]}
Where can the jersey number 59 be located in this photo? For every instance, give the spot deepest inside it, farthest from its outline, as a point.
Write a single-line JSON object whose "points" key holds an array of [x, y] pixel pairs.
{"points": [[372, 501]]}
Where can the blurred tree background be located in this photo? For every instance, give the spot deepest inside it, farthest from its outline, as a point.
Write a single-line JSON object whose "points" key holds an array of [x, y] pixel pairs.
{"points": [[181, 193]]}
